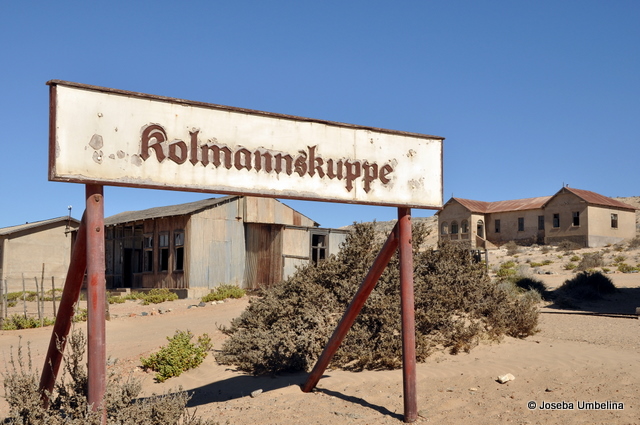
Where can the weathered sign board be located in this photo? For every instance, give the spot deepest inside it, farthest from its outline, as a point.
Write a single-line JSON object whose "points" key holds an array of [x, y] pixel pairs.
{"points": [[114, 137]]}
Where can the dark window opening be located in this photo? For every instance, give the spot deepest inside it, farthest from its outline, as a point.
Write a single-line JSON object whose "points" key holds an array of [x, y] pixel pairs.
{"points": [[576, 218], [163, 258], [520, 224], [454, 228], [178, 238], [556, 220], [540, 222], [614, 221], [318, 248], [497, 223], [147, 265]]}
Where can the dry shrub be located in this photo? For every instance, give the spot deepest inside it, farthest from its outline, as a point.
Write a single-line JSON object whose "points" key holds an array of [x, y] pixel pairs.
{"points": [[68, 402], [456, 304], [590, 261]]}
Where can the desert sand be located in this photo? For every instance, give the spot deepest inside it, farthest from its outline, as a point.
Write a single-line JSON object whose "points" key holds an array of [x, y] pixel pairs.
{"points": [[577, 360]]}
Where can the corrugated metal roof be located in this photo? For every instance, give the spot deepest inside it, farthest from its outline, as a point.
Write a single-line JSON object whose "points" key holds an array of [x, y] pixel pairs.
{"points": [[21, 227], [597, 199], [167, 211], [173, 210]]}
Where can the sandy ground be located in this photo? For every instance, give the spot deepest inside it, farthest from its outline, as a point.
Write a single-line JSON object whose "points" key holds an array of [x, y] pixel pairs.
{"points": [[577, 357]]}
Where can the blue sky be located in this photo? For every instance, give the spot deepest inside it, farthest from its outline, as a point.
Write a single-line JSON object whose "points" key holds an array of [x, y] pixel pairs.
{"points": [[528, 95]]}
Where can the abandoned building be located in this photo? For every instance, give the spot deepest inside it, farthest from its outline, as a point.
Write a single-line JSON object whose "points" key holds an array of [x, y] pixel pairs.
{"points": [[33, 250], [580, 216], [247, 241]]}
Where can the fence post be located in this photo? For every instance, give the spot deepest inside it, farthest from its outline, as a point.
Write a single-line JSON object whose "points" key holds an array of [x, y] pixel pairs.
{"points": [[53, 291], [38, 301], [2, 305], [24, 296]]}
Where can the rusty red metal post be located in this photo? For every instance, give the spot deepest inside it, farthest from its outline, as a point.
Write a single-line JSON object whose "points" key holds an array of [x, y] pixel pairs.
{"points": [[96, 298], [64, 318], [408, 315], [353, 310]]}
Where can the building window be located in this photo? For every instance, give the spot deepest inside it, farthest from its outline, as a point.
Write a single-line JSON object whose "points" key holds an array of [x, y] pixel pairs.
{"points": [[148, 253], [614, 221], [454, 228], [556, 220], [540, 222], [520, 224], [497, 223], [178, 248], [445, 228], [465, 226], [163, 251], [576, 218], [318, 247]]}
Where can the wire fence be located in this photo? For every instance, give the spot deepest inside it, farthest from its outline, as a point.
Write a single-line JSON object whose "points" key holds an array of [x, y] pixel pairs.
{"points": [[39, 299]]}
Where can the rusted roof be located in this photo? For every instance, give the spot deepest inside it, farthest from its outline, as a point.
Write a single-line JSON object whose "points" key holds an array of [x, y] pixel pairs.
{"points": [[597, 199], [503, 206], [540, 202], [28, 226]]}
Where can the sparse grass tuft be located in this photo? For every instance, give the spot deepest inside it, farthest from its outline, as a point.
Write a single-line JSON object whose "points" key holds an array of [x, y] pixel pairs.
{"points": [[223, 292]]}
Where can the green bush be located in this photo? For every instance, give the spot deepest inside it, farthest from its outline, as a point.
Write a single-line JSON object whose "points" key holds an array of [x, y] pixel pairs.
{"points": [[154, 296], [180, 355], [223, 292], [567, 245], [570, 266], [625, 268], [116, 299], [81, 315], [575, 258], [18, 321], [456, 305]]}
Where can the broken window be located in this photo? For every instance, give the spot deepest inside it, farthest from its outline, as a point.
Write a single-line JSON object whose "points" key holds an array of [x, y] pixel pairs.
{"points": [[556, 220], [497, 223], [318, 247], [614, 221]]}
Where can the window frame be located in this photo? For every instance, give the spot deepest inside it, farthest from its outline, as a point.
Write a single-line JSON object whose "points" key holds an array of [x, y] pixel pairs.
{"points": [[520, 224], [556, 220], [178, 250], [163, 252], [614, 220], [575, 219], [319, 247], [147, 247], [496, 225]]}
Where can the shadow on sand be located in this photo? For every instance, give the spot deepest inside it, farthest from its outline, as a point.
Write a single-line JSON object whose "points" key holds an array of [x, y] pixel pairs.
{"points": [[622, 304], [243, 386]]}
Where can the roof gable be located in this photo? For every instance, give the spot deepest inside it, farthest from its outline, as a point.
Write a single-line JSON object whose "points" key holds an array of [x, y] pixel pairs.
{"points": [[594, 198], [36, 224], [188, 208]]}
